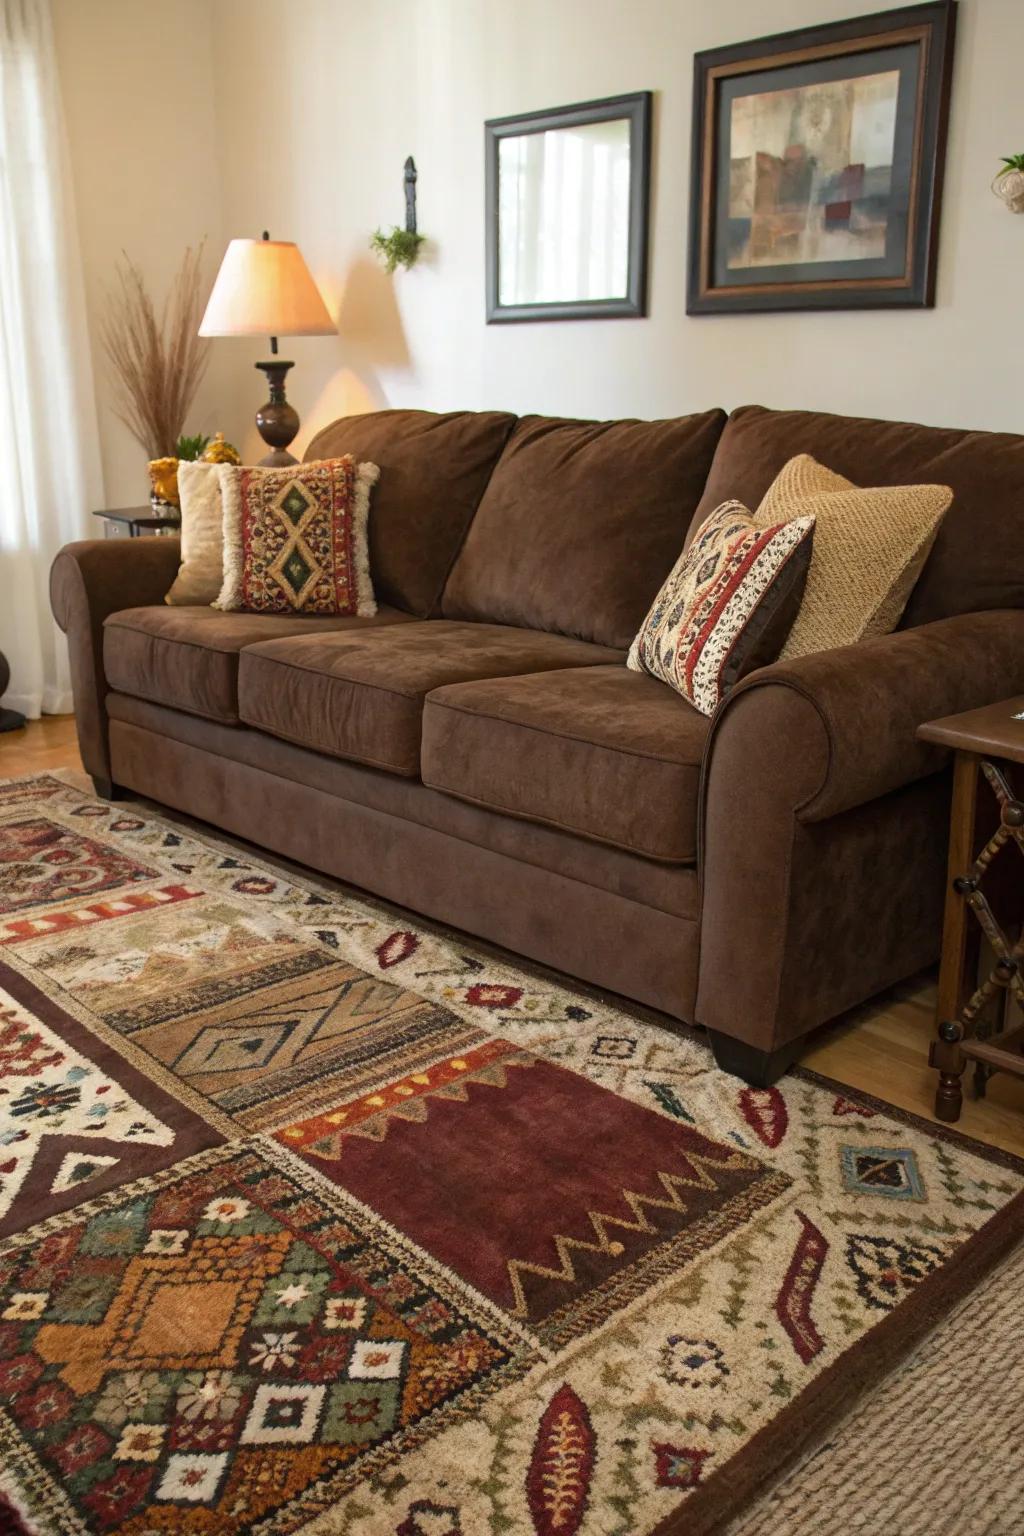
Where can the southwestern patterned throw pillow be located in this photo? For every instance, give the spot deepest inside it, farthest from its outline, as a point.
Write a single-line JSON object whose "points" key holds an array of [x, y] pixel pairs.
{"points": [[295, 538], [727, 605]]}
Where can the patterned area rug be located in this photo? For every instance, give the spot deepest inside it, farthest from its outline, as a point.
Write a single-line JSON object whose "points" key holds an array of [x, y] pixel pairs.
{"points": [[315, 1220]]}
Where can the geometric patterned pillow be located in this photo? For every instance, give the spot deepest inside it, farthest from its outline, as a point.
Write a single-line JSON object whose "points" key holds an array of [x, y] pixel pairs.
{"points": [[295, 538], [727, 605]]}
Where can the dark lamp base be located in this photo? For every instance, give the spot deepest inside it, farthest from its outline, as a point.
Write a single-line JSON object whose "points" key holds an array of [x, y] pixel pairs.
{"points": [[277, 421], [10, 720]]}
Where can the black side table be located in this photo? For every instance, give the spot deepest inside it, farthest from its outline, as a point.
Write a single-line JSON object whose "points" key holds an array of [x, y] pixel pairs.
{"points": [[139, 521], [10, 720]]}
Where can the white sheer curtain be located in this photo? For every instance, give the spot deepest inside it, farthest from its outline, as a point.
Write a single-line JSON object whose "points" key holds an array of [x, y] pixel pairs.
{"points": [[49, 459]]}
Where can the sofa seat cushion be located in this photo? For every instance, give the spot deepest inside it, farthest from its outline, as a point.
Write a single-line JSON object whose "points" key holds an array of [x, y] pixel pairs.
{"points": [[361, 696], [603, 752], [188, 657]]}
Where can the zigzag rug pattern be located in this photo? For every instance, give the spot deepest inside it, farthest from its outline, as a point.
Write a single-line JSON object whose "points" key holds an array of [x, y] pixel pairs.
{"points": [[316, 1219]]}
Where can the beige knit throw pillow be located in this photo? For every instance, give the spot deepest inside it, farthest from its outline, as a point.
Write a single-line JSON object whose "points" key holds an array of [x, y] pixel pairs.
{"points": [[869, 549], [201, 573]]}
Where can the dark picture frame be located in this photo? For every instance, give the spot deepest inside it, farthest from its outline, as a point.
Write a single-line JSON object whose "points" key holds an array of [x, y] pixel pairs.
{"points": [[637, 110], [869, 234]]}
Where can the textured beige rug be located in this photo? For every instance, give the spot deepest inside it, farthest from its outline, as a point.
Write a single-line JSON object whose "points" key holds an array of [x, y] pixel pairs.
{"points": [[933, 1451]]}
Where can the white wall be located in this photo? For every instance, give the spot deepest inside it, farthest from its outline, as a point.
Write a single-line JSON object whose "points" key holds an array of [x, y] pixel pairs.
{"points": [[137, 82], [318, 103]]}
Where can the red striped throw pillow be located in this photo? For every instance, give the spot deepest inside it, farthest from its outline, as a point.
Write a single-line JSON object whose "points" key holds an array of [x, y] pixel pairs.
{"points": [[727, 605]]}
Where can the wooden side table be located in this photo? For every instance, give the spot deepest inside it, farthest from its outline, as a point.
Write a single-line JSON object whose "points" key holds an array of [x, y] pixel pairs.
{"points": [[139, 521], [985, 742]]}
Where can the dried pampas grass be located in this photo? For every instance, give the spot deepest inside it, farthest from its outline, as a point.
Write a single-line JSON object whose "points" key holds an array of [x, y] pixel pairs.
{"points": [[158, 364]]}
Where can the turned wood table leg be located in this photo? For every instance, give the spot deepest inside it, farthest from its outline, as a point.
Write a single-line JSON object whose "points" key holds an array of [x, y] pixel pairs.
{"points": [[954, 987]]}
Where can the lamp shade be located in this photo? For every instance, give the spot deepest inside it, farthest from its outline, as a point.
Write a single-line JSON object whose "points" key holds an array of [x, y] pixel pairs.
{"points": [[264, 288]]}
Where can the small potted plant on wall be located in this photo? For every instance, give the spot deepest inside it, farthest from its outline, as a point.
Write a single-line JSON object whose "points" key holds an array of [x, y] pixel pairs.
{"points": [[400, 247], [1009, 183]]}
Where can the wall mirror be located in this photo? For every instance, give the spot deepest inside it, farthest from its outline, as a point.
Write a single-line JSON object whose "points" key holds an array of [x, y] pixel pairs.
{"points": [[567, 196]]}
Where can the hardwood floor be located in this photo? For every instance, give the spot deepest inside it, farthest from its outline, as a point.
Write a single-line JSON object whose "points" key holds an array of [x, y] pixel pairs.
{"points": [[42, 745], [881, 1048]]}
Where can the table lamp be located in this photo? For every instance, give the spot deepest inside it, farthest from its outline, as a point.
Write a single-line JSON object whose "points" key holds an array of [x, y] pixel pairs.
{"points": [[264, 288]]}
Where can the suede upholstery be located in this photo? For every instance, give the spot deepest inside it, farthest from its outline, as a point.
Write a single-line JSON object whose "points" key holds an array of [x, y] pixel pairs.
{"points": [[605, 753], [870, 733], [977, 560], [848, 907], [88, 581], [823, 834], [434, 469], [188, 657], [669, 888], [622, 945], [581, 523], [563, 794], [361, 696]]}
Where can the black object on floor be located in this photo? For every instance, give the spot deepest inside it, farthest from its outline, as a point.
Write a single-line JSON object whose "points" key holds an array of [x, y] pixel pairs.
{"points": [[10, 720]]}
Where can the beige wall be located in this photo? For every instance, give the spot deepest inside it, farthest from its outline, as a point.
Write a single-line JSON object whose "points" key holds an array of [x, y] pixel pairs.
{"points": [[137, 83], [317, 105]]}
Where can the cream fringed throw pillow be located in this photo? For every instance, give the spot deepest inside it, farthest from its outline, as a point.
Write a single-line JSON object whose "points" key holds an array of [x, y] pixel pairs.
{"points": [[201, 573], [726, 606], [295, 539], [869, 549]]}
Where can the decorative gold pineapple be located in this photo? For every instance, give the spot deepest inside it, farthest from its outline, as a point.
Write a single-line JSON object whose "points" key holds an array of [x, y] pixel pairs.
{"points": [[163, 474], [217, 451]]}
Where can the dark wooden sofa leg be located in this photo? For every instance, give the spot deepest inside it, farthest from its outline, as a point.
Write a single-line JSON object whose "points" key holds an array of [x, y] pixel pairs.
{"points": [[106, 789], [758, 1068]]}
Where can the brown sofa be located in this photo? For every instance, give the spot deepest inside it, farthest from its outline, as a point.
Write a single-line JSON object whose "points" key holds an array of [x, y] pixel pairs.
{"points": [[479, 752]]}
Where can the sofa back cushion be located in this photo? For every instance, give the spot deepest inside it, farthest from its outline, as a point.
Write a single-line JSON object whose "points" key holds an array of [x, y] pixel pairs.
{"points": [[433, 471], [977, 560], [581, 523]]}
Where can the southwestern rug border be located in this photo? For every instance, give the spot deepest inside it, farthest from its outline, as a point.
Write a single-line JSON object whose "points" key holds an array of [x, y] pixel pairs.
{"points": [[779, 1445]]}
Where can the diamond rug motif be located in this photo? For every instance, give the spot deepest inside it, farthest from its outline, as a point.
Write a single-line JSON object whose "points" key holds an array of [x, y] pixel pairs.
{"points": [[170, 1339], [315, 1219], [73, 1113]]}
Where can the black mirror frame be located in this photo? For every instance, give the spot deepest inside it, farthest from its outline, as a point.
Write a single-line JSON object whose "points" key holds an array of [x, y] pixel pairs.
{"points": [[638, 109]]}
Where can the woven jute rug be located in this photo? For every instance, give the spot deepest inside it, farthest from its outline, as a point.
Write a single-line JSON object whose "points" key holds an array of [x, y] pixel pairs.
{"points": [[315, 1218], [932, 1451]]}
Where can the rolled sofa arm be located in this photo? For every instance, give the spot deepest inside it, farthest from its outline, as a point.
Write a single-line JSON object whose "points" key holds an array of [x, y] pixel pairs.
{"points": [[861, 705], [821, 855], [88, 581]]}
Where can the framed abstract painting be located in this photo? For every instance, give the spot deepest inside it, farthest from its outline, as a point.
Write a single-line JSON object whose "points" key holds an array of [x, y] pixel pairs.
{"points": [[817, 165]]}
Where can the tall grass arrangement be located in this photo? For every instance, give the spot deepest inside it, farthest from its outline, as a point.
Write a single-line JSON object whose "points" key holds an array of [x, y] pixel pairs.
{"points": [[158, 363]]}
